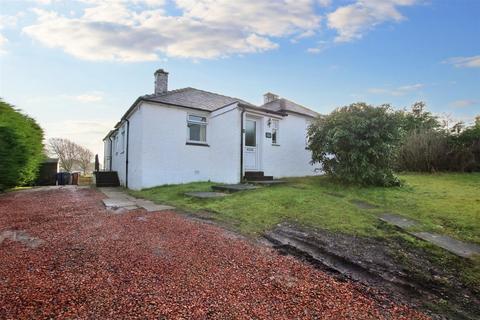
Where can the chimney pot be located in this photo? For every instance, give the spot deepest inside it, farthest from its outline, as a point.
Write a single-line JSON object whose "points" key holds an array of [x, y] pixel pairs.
{"points": [[269, 97], [161, 81]]}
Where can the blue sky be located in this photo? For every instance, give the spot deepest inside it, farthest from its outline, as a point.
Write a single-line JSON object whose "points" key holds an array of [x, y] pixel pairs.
{"points": [[76, 66]]}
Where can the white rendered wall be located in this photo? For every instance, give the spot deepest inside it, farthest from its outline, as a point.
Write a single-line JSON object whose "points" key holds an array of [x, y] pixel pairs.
{"points": [[167, 159], [135, 150], [289, 158], [134, 153]]}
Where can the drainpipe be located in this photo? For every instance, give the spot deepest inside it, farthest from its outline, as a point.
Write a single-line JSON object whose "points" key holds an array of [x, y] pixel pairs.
{"points": [[241, 144], [111, 153], [126, 154]]}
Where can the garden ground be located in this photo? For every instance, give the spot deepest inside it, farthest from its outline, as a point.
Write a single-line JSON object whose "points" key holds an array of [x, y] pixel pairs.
{"points": [[442, 203], [63, 255]]}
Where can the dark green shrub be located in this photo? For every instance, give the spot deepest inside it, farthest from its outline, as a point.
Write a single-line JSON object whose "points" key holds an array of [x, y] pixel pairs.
{"points": [[21, 148], [357, 144], [424, 151]]}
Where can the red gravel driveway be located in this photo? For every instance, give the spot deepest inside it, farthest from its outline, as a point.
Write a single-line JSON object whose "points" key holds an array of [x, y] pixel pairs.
{"points": [[63, 255]]}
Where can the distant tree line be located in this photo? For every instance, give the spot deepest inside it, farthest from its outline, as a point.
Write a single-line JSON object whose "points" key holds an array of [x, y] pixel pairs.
{"points": [[363, 144], [21, 147]]}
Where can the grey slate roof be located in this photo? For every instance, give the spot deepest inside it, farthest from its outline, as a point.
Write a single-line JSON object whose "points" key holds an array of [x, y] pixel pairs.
{"points": [[195, 98], [209, 101], [287, 105]]}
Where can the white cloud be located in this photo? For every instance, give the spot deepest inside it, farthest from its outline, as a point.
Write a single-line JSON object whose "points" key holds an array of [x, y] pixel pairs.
{"points": [[3, 42], [353, 20], [463, 103], [324, 3], [464, 62], [89, 97], [320, 47], [398, 91], [9, 21], [124, 31]]}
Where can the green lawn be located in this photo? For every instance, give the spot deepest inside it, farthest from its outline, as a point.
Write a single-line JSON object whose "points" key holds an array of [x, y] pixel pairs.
{"points": [[443, 203]]}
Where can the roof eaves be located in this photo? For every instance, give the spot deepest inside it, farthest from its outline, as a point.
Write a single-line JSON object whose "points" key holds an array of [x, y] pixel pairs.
{"points": [[283, 114], [174, 105]]}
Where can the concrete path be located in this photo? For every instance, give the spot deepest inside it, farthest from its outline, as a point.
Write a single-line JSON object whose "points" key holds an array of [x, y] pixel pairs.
{"points": [[397, 220], [206, 195], [459, 248], [119, 200], [234, 187]]}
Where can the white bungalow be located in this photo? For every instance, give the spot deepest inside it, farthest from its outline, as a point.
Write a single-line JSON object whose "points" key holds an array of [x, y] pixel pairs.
{"points": [[187, 135]]}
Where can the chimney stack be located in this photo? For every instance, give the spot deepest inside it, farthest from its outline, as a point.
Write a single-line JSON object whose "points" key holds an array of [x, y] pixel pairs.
{"points": [[161, 81], [269, 97]]}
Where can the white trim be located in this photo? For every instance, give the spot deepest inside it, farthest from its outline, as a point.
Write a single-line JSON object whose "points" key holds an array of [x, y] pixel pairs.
{"points": [[199, 123]]}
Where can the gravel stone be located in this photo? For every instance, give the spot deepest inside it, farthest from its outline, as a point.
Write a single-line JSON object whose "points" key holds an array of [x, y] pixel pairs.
{"points": [[95, 265]]}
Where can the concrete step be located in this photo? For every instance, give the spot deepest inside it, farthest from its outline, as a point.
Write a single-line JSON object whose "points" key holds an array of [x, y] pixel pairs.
{"points": [[268, 182], [258, 178], [253, 174]]}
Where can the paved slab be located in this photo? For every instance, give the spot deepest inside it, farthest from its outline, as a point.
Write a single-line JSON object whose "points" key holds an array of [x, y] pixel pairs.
{"points": [[118, 203], [234, 187], [206, 195], [119, 199], [363, 204], [22, 237], [150, 206], [454, 246], [396, 220]]}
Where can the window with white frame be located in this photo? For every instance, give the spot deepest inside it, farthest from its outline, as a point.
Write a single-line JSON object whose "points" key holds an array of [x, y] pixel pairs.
{"points": [[197, 128], [275, 127]]}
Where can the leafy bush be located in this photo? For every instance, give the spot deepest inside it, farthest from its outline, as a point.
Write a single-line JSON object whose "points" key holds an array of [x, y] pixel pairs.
{"points": [[418, 119], [429, 146], [466, 149], [357, 144], [21, 148]]}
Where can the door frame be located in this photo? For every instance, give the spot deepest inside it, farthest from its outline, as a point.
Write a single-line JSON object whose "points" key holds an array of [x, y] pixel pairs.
{"points": [[259, 146]]}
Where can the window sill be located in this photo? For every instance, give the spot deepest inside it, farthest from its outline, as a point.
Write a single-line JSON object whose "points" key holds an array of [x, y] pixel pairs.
{"points": [[197, 144], [275, 145]]}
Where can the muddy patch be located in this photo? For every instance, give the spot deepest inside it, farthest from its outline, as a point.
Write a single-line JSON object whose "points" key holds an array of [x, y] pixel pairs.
{"points": [[413, 279], [22, 237]]}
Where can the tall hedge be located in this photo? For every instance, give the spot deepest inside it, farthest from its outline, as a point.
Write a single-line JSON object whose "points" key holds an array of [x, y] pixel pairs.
{"points": [[21, 147], [357, 144]]}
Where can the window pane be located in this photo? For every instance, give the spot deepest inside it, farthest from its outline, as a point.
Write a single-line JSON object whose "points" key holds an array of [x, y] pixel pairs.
{"points": [[274, 136], [250, 133], [197, 132], [197, 118]]}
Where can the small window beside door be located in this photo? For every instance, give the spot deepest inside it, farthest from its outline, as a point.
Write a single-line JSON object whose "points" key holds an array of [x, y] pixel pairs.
{"points": [[197, 128], [275, 127], [251, 133]]}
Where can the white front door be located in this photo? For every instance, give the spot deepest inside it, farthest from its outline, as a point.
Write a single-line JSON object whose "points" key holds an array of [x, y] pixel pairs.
{"points": [[250, 153]]}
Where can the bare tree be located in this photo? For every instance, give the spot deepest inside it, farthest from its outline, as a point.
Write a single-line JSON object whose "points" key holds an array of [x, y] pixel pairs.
{"points": [[65, 150], [84, 158]]}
